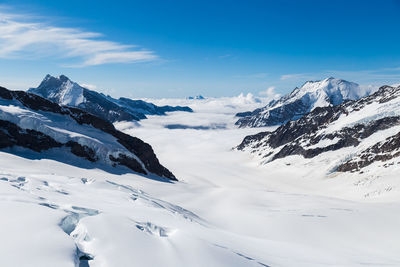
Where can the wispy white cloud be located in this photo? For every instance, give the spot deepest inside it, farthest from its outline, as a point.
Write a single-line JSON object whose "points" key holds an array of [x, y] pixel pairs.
{"points": [[297, 76], [270, 93], [21, 38], [89, 86]]}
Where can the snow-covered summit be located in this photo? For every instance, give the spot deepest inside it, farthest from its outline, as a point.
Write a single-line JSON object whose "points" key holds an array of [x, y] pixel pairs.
{"points": [[65, 92], [350, 136], [312, 94], [61, 90], [328, 91]]}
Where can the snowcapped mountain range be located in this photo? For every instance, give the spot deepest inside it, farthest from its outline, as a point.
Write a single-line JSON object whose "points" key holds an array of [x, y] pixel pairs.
{"points": [[68, 93], [32, 122], [76, 183], [355, 136], [313, 94]]}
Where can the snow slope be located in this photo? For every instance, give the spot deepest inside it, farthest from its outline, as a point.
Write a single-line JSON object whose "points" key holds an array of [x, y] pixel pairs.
{"points": [[27, 120], [226, 210], [64, 91], [328, 219]]}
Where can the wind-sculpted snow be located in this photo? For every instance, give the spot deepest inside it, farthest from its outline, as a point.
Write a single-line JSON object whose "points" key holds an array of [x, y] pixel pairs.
{"points": [[153, 229], [106, 223], [225, 210], [363, 125], [328, 92], [29, 121], [68, 93], [138, 195], [70, 224]]}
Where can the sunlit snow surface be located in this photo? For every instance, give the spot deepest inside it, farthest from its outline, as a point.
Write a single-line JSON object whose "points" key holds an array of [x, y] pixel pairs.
{"points": [[225, 211]]}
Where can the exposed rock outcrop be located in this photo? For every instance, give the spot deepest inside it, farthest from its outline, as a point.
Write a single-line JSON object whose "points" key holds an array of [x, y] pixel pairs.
{"points": [[136, 154], [332, 128]]}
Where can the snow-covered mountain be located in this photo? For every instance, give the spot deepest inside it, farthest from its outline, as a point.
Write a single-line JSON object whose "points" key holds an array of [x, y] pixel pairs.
{"points": [[197, 97], [35, 123], [81, 214], [68, 93], [356, 136], [313, 94]]}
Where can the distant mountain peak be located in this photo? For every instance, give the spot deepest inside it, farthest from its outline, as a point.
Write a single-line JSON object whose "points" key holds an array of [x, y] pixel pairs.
{"points": [[327, 92], [61, 78], [64, 78], [65, 92], [42, 125], [61, 90], [362, 125], [197, 97]]}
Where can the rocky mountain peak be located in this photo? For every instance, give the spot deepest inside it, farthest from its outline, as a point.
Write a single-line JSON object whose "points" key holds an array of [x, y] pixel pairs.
{"points": [[312, 94], [68, 93], [370, 126]]}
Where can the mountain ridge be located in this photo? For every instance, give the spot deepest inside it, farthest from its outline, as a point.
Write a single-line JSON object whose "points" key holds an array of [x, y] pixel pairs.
{"points": [[30, 121], [292, 106], [370, 125], [66, 92]]}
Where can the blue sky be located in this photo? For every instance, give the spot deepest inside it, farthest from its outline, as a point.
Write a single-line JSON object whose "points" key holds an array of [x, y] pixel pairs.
{"points": [[213, 48]]}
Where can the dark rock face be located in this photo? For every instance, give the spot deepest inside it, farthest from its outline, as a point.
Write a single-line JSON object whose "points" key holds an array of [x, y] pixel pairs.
{"points": [[11, 134], [102, 107], [382, 151], [348, 136], [276, 116], [149, 108], [105, 107], [292, 130], [82, 151], [254, 140], [243, 114], [31, 101], [133, 144], [145, 153], [5, 93], [302, 136], [129, 162]]}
